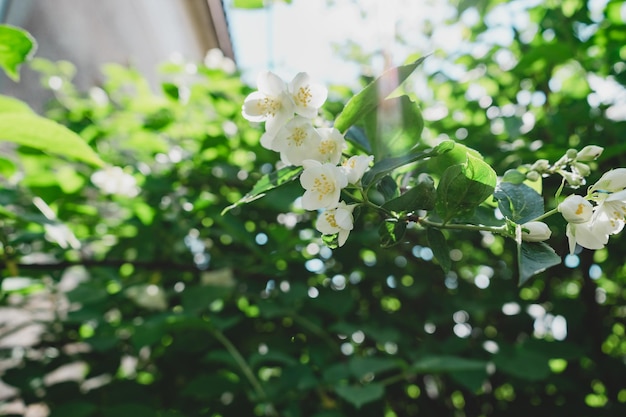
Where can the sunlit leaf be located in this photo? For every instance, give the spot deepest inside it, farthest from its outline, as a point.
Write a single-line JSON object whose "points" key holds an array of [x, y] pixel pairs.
{"points": [[47, 136], [266, 183], [16, 46], [370, 97]]}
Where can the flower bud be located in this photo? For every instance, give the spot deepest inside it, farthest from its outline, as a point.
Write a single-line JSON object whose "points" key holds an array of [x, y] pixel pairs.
{"points": [[575, 209], [571, 153], [589, 153], [541, 165], [582, 169], [532, 175], [535, 232]]}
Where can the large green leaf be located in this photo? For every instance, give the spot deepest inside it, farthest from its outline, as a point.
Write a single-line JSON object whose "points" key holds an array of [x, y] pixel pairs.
{"points": [[385, 166], [533, 258], [371, 96], [420, 197], [359, 395], [361, 366], [16, 46], [13, 105], [47, 136], [266, 183], [445, 363], [519, 202], [522, 362], [463, 187]]}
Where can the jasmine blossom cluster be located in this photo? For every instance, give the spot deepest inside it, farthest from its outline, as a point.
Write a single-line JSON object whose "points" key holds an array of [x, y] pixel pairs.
{"points": [[289, 111]]}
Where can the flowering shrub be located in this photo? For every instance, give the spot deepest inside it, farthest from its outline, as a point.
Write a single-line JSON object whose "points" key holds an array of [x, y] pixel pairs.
{"points": [[465, 181]]}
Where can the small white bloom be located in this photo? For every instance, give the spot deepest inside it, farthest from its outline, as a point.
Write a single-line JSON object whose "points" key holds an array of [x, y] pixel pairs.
{"points": [[610, 213], [337, 220], [589, 153], [271, 104], [355, 167], [535, 232], [330, 147], [575, 209], [611, 181], [585, 235], [323, 184], [113, 180], [296, 141], [307, 97]]}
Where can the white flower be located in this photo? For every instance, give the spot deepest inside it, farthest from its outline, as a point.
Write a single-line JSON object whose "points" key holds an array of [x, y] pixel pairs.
{"points": [[575, 209], [611, 181], [307, 97], [331, 146], [323, 184], [113, 180], [337, 220], [535, 232], [296, 141], [355, 167], [271, 104], [585, 235], [610, 212], [589, 153]]}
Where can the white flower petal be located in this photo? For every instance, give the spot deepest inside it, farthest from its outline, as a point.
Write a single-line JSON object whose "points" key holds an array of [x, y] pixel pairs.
{"points": [[576, 209]]}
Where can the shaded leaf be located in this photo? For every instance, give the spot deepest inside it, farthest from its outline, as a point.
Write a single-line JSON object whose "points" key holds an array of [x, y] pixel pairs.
{"points": [[519, 202], [522, 362], [359, 395], [47, 136], [391, 232], [266, 183], [361, 366], [533, 258], [357, 135], [384, 167], [444, 363], [421, 197], [439, 246]]}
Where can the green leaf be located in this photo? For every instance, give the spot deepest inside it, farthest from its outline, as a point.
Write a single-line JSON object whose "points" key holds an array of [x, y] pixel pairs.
{"points": [[463, 187], [74, 409], [519, 202], [421, 197], [445, 363], [384, 167], [357, 136], [359, 395], [16, 46], [47, 136], [439, 246], [407, 135], [13, 105], [533, 258], [391, 232], [266, 183], [370, 97], [521, 362], [361, 366], [387, 187]]}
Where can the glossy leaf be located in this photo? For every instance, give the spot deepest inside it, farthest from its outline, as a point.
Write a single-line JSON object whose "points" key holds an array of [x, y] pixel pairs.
{"points": [[463, 187]]}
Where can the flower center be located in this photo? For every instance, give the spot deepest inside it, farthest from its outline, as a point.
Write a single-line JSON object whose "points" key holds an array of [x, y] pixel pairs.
{"points": [[327, 147], [297, 137], [303, 96], [330, 218], [269, 106], [323, 186]]}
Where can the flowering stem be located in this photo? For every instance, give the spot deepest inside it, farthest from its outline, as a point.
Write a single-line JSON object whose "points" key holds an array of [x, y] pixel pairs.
{"points": [[502, 230], [546, 214]]}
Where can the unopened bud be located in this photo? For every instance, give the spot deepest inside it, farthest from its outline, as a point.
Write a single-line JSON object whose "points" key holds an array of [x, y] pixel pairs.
{"points": [[589, 153], [535, 232], [583, 169], [542, 165], [532, 175], [573, 179], [571, 153]]}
